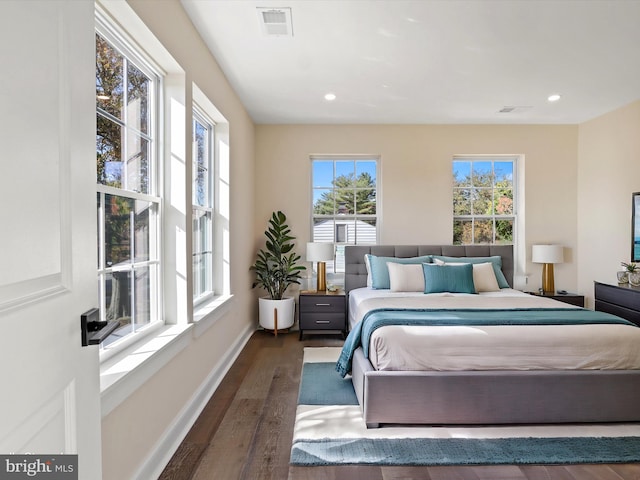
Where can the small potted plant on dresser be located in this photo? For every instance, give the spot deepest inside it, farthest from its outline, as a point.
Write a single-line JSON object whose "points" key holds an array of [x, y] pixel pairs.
{"points": [[276, 269], [631, 274]]}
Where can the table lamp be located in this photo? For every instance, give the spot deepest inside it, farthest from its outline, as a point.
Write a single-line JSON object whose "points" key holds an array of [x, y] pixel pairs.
{"points": [[547, 255], [320, 252]]}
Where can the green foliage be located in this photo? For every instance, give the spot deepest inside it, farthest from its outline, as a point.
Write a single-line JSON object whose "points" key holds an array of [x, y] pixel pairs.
{"points": [[275, 267], [350, 195], [478, 197]]}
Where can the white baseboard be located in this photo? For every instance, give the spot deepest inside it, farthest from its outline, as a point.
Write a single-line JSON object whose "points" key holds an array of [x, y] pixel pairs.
{"points": [[168, 444]]}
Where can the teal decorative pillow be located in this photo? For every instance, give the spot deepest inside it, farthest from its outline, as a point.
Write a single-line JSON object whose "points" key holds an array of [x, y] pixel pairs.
{"points": [[495, 260], [379, 272], [448, 278]]}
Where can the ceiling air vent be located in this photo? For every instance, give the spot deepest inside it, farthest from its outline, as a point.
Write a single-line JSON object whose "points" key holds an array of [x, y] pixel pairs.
{"points": [[276, 22], [511, 109]]}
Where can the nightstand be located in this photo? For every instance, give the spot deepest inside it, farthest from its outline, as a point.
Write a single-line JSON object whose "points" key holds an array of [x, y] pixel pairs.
{"points": [[323, 311], [571, 298]]}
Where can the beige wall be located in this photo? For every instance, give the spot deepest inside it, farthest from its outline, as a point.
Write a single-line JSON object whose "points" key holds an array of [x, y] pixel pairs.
{"points": [[130, 431], [609, 150], [415, 187]]}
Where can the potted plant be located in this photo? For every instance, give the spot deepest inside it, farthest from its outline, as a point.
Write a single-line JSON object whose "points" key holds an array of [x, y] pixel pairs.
{"points": [[632, 274], [276, 269]]}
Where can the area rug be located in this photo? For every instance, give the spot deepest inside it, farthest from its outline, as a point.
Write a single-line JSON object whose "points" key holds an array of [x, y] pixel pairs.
{"points": [[329, 430]]}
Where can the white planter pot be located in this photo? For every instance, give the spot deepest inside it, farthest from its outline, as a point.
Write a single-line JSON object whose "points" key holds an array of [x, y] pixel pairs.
{"points": [[285, 308]]}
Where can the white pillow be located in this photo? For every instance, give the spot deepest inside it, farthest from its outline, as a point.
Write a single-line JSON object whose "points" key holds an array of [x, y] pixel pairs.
{"points": [[366, 264], [484, 276], [406, 277]]}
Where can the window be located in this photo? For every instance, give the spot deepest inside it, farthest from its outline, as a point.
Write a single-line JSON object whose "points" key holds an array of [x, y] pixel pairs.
{"points": [[483, 200], [344, 194], [128, 205], [202, 206]]}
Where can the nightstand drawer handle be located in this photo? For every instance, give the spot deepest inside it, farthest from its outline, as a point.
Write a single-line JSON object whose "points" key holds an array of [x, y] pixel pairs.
{"points": [[323, 304], [323, 321]]}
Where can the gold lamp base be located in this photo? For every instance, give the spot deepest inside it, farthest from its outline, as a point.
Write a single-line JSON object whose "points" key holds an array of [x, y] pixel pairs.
{"points": [[548, 286], [322, 277]]}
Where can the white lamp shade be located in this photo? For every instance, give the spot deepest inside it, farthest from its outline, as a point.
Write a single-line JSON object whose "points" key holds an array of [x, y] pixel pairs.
{"points": [[547, 254], [319, 251]]}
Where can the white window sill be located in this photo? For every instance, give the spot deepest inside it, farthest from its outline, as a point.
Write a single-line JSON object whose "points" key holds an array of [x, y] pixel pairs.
{"points": [[207, 313], [126, 371]]}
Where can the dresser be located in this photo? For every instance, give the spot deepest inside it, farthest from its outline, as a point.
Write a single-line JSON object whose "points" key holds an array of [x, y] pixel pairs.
{"points": [[322, 311], [622, 300]]}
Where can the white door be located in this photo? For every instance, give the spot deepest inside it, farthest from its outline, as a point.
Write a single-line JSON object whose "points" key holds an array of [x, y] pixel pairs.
{"points": [[50, 401]]}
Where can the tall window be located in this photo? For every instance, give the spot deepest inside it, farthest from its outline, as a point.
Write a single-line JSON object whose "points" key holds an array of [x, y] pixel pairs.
{"points": [[202, 206], [483, 200], [127, 188], [344, 193]]}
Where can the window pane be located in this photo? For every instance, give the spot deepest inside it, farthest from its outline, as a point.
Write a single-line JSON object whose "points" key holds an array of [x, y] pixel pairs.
{"points": [[461, 174], [142, 295], [365, 195], [322, 174], [109, 78], [482, 174], [323, 230], [109, 152], [118, 216], [118, 297], [345, 169], [462, 201], [365, 232], [142, 224], [504, 201], [137, 99], [202, 164], [137, 167], [483, 231], [345, 201], [202, 254], [504, 231], [483, 201], [462, 232], [323, 202], [367, 169]]}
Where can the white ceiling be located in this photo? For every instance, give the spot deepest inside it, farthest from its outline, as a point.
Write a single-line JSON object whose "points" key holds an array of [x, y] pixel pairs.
{"points": [[428, 61]]}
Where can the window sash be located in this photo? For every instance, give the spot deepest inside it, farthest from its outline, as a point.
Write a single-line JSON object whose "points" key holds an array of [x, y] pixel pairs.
{"points": [[340, 225], [477, 194], [129, 290], [202, 205]]}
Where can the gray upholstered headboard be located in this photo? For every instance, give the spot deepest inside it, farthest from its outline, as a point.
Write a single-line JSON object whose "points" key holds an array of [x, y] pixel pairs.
{"points": [[356, 271]]}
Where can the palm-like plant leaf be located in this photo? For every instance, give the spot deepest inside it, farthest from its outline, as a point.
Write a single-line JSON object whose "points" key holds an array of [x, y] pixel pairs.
{"points": [[276, 265]]}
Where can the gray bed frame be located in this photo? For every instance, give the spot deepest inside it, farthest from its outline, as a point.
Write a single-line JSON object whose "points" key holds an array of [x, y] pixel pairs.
{"points": [[483, 397]]}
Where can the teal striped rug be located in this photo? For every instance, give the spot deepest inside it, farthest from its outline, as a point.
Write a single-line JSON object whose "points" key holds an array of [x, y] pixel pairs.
{"points": [[329, 430]]}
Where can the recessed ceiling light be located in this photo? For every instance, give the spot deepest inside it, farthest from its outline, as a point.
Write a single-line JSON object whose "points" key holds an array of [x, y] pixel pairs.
{"points": [[330, 97], [553, 98]]}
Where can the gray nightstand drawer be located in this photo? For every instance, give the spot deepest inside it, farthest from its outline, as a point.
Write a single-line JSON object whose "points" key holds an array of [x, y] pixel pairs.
{"points": [[322, 303], [322, 321]]}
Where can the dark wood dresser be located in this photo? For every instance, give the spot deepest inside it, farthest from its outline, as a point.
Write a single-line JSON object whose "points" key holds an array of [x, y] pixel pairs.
{"points": [[622, 300]]}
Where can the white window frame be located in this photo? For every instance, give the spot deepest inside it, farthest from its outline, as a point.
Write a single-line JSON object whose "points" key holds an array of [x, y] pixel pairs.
{"points": [[131, 52], [514, 159], [335, 269], [203, 293]]}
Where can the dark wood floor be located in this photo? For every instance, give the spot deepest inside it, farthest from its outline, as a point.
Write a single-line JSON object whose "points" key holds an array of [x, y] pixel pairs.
{"points": [[245, 430]]}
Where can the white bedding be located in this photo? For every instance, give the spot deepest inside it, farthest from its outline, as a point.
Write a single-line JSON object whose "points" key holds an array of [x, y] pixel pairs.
{"points": [[505, 347]]}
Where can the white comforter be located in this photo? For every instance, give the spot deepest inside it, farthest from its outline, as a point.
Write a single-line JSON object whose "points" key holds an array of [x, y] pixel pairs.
{"points": [[505, 347]]}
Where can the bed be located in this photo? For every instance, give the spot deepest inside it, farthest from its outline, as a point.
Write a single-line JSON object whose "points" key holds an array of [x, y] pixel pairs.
{"points": [[490, 388]]}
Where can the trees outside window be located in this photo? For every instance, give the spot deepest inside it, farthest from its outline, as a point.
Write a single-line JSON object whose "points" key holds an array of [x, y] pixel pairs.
{"points": [[127, 197], [483, 200], [344, 203]]}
